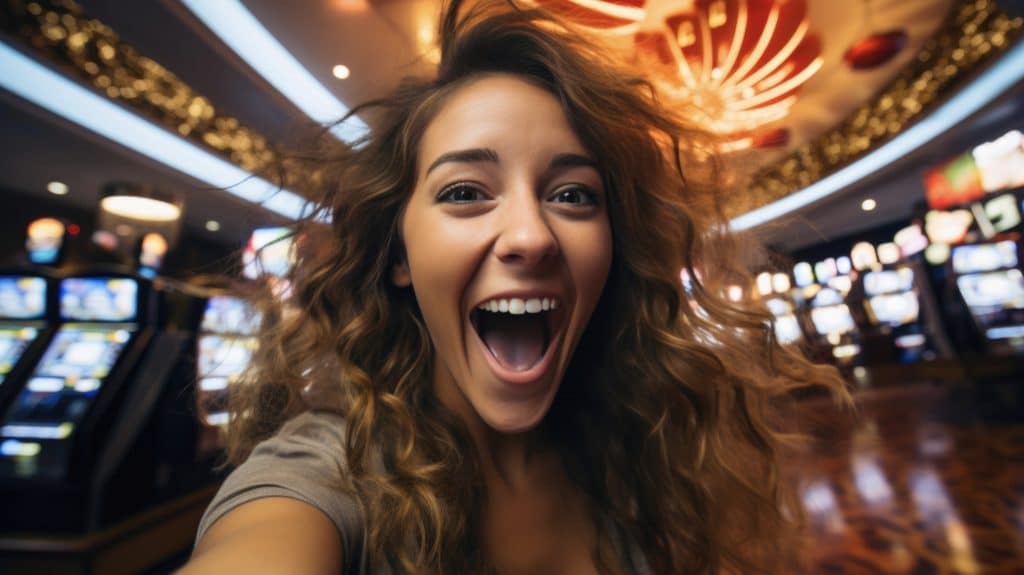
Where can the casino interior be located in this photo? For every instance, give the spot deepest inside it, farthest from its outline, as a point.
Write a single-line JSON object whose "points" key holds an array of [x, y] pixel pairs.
{"points": [[876, 148]]}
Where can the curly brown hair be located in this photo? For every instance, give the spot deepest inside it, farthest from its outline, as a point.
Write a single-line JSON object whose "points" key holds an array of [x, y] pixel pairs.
{"points": [[667, 416]]}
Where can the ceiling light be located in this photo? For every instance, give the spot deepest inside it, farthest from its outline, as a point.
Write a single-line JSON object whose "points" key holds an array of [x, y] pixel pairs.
{"points": [[994, 81], [253, 43], [58, 188], [141, 208], [341, 71], [868, 205], [212, 225], [69, 100]]}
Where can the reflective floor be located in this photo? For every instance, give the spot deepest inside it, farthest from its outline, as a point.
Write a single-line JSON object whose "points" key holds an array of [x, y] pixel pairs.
{"points": [[924, 479]]}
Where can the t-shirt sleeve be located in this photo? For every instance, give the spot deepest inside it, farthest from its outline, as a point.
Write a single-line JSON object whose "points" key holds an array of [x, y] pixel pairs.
{"points": [[302, 461]]}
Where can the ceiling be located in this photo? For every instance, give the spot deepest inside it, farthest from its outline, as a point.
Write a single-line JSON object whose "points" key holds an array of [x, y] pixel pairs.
{"points": [[381, 41]]}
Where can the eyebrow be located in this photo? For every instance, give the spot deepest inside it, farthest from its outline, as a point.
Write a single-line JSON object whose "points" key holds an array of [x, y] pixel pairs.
{"points": [[568, 160]]}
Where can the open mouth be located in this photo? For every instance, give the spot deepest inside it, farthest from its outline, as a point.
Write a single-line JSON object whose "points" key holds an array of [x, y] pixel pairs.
{"points": [[517, 332]]}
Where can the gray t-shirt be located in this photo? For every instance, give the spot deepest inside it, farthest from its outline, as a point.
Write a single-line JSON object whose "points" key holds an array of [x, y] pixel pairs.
{"points": [[304, 461]]}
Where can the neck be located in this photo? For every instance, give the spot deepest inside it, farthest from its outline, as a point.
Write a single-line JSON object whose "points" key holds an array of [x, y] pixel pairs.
{"points": [[509, 458]]}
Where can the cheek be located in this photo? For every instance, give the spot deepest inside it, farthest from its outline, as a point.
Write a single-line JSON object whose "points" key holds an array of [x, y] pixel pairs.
{"points": [[590, 260]]}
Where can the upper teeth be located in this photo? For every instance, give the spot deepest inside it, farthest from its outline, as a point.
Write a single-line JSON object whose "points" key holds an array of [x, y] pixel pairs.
{"points": [[517, 306]]}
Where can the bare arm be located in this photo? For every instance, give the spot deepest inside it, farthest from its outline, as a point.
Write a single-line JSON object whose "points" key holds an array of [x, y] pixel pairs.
{"points": [[269, 536]]}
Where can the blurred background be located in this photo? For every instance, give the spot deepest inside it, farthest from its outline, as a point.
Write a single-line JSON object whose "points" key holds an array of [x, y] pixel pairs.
{"points": [[875, 147]]}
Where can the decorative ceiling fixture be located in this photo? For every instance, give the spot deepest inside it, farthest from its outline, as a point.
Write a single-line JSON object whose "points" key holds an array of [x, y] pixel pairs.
{"points": [[876, 48], [737, 63]]}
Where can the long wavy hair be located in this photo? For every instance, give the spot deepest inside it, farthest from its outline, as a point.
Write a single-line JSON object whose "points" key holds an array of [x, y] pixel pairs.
{"points": [[667, 416]]}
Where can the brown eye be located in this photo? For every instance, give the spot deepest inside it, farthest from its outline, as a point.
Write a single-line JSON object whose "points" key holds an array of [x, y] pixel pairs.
{"points": [[577, 195], [460, 194]]}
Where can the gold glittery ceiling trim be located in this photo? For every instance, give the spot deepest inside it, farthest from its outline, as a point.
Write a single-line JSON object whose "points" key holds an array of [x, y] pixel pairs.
{"points": [[91, 50], [976, 32]]}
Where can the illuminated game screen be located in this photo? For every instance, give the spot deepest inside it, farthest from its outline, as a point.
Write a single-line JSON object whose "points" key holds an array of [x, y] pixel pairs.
{"points": [[13, 342], [834, 319], [99, 299], [226, 314], [22, 297], [269, 251], [787, 330], [894, 309], [1002, 289], [984, 257], [222, 360], [67, 380], [888, 281]]}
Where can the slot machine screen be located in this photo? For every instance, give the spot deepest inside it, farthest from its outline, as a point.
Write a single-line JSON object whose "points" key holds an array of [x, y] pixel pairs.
{"points": [[226, 314], [99, 299], [13, 342], [1001, 289], [984, 257], [833, 319], [22, 297], [787, 330], [888, 281], [222, 360], [67, 380], [894, 308]]}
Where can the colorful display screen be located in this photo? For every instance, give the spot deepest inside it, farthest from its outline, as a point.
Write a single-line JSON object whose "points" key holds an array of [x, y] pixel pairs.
{"points": [[1001, 289], [984, 257], [269, 251], [226, 314], [66, 382], [222, 360], [787, 330], [835, 319], [895, 308], [953, 183], [888, 281], [13, 342], [22, 297], [99, 299]]}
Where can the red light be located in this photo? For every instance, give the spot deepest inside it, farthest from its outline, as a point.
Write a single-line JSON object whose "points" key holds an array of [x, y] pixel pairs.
{"points": [[875, 50], [73, 229]]}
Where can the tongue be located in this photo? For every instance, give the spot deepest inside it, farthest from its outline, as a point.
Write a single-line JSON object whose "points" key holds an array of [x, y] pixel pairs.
{"points": [[517, 341]]}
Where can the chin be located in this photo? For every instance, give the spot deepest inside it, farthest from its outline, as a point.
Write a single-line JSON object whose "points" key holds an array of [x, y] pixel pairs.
{"points": [[511, 420]]}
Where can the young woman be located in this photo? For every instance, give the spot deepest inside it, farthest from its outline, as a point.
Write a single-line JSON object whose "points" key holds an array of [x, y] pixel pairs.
{"points": [[492, 364]]}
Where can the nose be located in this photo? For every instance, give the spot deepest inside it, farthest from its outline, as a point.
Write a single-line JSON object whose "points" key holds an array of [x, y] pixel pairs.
{"points": [[526, 237]]}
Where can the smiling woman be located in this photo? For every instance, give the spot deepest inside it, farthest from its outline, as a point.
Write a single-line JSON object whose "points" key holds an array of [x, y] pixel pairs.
{"points": [[491, 364]]}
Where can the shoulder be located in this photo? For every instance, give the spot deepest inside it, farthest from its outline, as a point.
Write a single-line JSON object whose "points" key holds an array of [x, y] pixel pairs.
{"points": [[305, 461]]}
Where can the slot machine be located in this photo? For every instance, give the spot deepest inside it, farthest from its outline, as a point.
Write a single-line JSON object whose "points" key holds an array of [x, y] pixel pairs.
{"points": [[225, 346], [27, 319], [893, 308], [69, 451], [989, 279], [835, 326]]}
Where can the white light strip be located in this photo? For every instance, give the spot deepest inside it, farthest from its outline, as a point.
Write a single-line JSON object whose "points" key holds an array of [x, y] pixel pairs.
{"points": [[71, 101], [998, 78], [253, 43]]}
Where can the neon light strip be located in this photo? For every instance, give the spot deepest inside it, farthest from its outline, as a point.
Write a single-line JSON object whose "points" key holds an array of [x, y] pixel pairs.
{"points": [[780, 56], [739, 33], [614, 10], [759, 49], [998, 78], [71, 101], [253, 43]]}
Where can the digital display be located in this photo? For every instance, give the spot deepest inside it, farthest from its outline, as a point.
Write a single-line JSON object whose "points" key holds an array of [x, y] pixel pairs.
{"points": [[13, 342], [787, 330], [269, 251], [66, 382], [984, 257], [22, 297], [1002, 289], [894, 309], [226, 314], [99, 299], [835, 319], [779, 307], [888, 281], [955, 182], [222, 360]]}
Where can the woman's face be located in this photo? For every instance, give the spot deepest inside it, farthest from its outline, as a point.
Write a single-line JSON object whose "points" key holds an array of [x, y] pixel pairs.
{"points": [[508, 247]]}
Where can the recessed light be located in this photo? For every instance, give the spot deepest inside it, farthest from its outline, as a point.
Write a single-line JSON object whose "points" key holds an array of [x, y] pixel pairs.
{"points": [[341, 71], [141, 208], [868, 205], [212, 225], [58, 188]]}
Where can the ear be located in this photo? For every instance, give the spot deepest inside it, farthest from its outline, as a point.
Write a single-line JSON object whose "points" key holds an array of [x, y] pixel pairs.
{"points": [[400, 275]]}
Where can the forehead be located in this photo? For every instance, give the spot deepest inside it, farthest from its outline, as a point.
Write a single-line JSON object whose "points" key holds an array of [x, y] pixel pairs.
{"points": [[501, 112]]}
